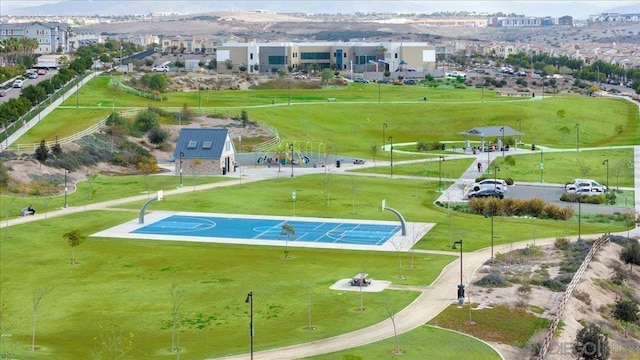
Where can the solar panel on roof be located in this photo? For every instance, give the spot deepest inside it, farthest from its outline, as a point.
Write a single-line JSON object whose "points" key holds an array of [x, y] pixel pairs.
{"points": [[192, 144]]}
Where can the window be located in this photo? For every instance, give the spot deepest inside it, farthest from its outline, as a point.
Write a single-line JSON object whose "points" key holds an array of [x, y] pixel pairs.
{"points": [[207, 144], [315, 56], [251, 56], [227, 146], [192, 144], [276, 60]]}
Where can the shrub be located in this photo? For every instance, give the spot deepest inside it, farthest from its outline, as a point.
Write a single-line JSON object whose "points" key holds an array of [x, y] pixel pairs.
{"points": [[561, 243], [534, 206], [553, 285], [493, 280], [582, 296]]}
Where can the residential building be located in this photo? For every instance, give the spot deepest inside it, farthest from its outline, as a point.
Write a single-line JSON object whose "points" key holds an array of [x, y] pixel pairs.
{"points": [[51, 37]]}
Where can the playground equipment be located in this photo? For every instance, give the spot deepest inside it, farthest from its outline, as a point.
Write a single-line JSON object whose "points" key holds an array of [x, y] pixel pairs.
{"points": [[291, 151]]}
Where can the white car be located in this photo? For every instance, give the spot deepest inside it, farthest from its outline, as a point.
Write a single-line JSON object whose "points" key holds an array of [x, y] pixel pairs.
{"points": [[17, 83], [161, 69], [490, 183], [591, 185]]}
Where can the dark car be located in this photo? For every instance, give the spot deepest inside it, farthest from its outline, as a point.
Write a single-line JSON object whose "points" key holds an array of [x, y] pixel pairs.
{"points": [[384, 81], [486, 192], [360, 80], [410, 82]]}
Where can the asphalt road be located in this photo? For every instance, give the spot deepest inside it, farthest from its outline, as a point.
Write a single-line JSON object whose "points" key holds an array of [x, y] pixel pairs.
{"points": [[551, 194]]}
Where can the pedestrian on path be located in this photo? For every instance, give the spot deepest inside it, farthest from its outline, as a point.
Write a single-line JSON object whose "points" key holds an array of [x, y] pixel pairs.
{"points": [[479, 166]]}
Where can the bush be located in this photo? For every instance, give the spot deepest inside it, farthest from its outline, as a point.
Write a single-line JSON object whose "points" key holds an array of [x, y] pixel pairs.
{"points": [[561, 243], [534, 206], [553, 285], [582, 296], [146, 120], [493, 280]]}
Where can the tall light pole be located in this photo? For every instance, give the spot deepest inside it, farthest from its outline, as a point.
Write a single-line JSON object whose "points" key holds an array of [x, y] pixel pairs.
{"points": [[518, 140], [250, 301], [66, 171], [291, 147], [541, 166], [384, 126], [496, 168], [502, 131], [578, 137], [606, 161], [440, 173], [293, 197], [461, 285], [391, 144], [181, 155]]}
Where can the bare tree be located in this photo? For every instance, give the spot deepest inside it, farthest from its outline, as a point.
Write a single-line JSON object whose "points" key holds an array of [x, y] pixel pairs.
{"points": [[177, 299], [354, 190], [392, 310], [397, 244], [113, 343], [583, 168], [308, 294], [38, 295]]}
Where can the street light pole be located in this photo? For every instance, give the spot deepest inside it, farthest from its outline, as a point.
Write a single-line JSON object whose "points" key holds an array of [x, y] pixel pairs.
{"points": [[181, 155], [293, 196], [578, 137], [291, 146], [518, 140], [66, 171], [250, 301], [606, 161], [440, 173], [541, 167], [461, 285], [502, 131], [391, 144], [384, 126]]}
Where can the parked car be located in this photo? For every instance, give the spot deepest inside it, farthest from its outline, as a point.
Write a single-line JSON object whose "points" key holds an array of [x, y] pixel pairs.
{"points": [[410, 82], [161, 69], [486, 192], [360, 80], [42, 72], [384, 81], [33, 75], [490, 184], [17, 83], [592, 185]]}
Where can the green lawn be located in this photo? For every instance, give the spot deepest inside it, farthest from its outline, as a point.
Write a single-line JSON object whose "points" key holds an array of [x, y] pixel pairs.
{"points": [[127, 283], [513, 326], [424, 342], [448, 169]]}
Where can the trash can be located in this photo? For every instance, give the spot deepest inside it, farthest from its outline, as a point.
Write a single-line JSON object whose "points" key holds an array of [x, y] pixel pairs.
{"points": [[337, 163], [533, 147], [235, 167], [224, 170]]}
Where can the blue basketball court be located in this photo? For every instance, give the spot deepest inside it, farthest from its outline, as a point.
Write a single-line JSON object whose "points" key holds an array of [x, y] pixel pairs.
{"points": [[266, 230]]}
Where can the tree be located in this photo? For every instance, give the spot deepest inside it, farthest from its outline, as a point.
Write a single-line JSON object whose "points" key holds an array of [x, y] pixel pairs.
{"points": [[113, 342], [74, 239], [146, 120], [177, 299], [287, 231], [392, 310], [38, 295], [627, 312], [630, 254], [327, 75], [244, 117], [42, 152], [158, 136], [591, 343]]}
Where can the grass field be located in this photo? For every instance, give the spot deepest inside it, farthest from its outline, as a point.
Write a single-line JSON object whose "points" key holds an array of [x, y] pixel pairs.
{"points": [[125, 284], [128, 282]]}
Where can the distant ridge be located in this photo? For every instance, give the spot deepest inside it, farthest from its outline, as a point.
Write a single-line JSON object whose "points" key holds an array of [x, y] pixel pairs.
{"points": [[557, 8]]}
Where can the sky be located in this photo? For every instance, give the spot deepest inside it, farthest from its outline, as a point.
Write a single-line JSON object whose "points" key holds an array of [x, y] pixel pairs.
{"points": [[579, 9]]}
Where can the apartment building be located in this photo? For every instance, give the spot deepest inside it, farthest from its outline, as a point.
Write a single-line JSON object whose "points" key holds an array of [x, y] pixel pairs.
{"points": [[51, 37]]}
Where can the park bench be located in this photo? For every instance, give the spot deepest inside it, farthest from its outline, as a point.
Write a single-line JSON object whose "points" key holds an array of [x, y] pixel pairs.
{"points": [[331, 99]]}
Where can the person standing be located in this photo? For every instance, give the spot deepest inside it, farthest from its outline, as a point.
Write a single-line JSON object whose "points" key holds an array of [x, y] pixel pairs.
{"points": [[479, 166]]}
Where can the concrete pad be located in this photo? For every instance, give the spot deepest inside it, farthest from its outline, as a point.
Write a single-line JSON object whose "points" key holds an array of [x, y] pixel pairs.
{"points": [[375, 286]]}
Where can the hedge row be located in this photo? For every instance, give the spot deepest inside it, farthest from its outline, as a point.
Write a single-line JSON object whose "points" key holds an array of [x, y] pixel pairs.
{"points": [[520, 207]]}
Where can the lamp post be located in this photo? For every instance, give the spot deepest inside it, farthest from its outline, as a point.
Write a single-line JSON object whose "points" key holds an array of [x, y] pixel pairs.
{"points": [[391, 144], [66, 171], [606, 161], [250, 301], [541, 167], [293, 197], [440, 173], [496, 168], [384, 126], [518, 140], [502, 131], [291, 147], [578, 137], [461, 285], [181, 155]]}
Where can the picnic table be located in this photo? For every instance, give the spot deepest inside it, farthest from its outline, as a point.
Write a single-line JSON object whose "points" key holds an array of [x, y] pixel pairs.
{"points": [[360, 279]]}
